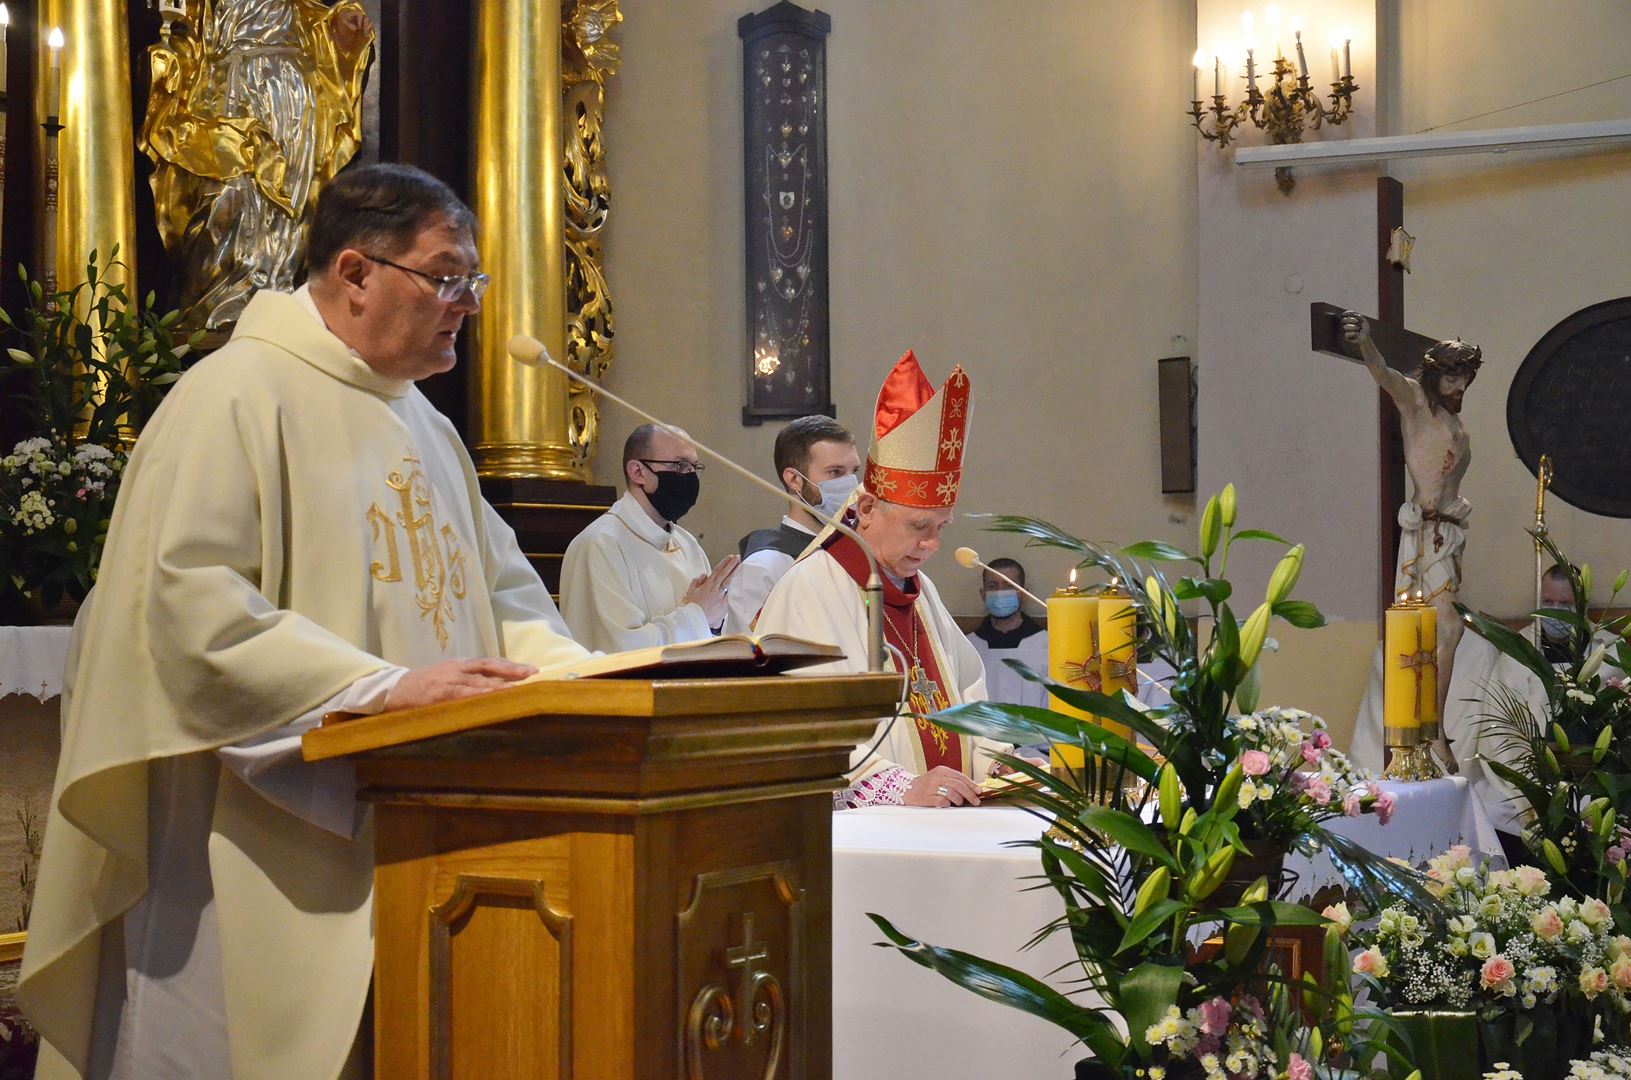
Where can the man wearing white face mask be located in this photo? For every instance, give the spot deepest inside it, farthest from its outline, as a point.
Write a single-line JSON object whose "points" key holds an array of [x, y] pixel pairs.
{"points": [[1007, 633], [817, 462]]}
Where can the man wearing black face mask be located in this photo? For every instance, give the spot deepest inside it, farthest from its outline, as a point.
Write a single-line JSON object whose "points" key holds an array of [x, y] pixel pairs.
{"points": [[634, 578], [816, 461]]}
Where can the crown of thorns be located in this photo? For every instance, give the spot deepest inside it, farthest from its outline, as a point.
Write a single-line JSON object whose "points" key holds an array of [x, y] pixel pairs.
{"points": [[1450, 358]]}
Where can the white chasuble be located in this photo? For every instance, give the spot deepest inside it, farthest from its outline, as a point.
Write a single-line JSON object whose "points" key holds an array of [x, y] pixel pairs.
{"points": [[818, 599], [290, 522]]}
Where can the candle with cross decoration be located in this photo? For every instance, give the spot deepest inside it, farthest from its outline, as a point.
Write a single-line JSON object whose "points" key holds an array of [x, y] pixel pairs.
{"points": [[1409, 689], [1073, 660]]}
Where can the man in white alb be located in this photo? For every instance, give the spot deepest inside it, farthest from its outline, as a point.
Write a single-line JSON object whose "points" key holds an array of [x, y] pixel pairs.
{"points": [[298, 531], [816, 461], [908, 490], [635, 578]]}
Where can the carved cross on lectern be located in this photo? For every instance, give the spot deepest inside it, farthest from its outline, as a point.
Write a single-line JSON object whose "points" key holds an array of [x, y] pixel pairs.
{"points": [[746, 956]]}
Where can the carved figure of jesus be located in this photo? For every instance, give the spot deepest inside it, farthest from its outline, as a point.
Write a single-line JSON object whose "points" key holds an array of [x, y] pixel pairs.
{"points": [[1433, 520]]}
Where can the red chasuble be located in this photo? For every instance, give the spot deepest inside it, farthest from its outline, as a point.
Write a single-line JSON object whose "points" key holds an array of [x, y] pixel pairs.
{"points": [[903, 628]]}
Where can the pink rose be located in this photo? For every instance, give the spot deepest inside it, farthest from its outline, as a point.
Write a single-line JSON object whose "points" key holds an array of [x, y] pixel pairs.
{"points": [[1312, 753], [1371, 962], [1384, 806], [1321, 740], [1350, 804], [1547, 924], [1254, 762], [1620, 972], [1318, 792], [1496, 973], [1593, 981], [1298, 1069], [1215, 1016]]}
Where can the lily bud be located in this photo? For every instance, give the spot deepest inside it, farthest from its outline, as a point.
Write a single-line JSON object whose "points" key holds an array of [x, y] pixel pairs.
{"points": [[1285, 576], [1554, 855], [1226, 506], [1253, 634], [1585, 579], [1211, 528], [1594, 662], [1619, 582]]}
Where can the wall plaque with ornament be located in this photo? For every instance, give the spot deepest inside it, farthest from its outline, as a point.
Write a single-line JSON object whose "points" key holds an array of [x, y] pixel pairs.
{"points": [[784, 102]]}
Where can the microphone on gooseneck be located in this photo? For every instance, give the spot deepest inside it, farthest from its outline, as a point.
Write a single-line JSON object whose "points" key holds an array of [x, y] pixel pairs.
{"points": [[969, 559], [532, 352]]}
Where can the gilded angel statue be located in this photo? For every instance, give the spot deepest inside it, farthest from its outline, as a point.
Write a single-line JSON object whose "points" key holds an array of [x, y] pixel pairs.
{"points": [[255, 104]]}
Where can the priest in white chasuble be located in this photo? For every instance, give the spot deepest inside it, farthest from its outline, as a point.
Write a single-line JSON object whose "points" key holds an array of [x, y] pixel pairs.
{"points": [[907, 494], [298, 531], [635, 578]]}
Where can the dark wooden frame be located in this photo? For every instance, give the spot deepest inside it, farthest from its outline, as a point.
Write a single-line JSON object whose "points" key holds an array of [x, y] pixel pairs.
{"points": [[785, 24], [1573, 487]]}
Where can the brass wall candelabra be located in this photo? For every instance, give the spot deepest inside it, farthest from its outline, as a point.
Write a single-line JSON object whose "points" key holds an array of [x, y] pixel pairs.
{"points": [[1290, 106]]}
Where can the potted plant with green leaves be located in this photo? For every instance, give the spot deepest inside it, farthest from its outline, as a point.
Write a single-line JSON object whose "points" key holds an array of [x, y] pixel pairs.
{"points": [[1140, 865], [89, 366]]}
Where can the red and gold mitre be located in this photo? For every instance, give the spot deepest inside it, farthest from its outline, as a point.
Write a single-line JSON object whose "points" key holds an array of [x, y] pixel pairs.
{"points": [[918, 438]]}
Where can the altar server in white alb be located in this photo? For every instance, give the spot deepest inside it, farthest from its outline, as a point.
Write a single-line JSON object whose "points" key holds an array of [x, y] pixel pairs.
{"points": [[908, 490], [635, 578], [298, 531], [817, 462]]}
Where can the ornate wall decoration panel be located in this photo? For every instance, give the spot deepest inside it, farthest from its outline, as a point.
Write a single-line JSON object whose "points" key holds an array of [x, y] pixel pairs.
{"points": [[784, 98]]}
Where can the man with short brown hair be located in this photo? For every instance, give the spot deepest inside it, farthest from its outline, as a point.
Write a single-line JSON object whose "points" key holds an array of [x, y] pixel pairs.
{"points": [[817, 462]]}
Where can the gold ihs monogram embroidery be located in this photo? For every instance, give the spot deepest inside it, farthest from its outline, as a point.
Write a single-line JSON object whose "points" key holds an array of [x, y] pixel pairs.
{"points": [[437, 558]]}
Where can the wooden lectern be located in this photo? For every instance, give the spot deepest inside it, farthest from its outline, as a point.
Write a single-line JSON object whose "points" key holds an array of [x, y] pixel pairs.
{"points": [[608, 878]]}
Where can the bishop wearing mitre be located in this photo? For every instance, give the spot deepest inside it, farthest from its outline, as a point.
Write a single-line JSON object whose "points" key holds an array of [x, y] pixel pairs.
{"points": [[906, 498]]}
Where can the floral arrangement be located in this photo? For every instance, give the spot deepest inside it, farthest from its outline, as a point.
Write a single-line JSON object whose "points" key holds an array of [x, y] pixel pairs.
{"points": [[1571, 767], [1539, 975], [1165, 855], [1295, 778], [91, 368], [60, 498], [1602, 1065]]}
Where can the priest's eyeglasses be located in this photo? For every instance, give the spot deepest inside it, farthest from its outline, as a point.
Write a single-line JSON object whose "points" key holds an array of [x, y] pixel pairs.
{"points": [[449, 287], [676, 466]]}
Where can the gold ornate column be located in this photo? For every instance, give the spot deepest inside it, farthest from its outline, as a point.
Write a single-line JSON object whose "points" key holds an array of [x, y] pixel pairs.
{"points": [[528, 422], [97, 174]]}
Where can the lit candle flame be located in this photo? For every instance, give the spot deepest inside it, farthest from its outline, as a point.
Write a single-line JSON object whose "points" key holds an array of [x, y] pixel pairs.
{"points": [[55, 40], [1073, 577], [5, 16], [1199, 59]]}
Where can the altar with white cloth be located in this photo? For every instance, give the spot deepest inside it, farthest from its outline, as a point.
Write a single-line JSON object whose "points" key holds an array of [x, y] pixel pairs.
{"points": [[951, 878]]}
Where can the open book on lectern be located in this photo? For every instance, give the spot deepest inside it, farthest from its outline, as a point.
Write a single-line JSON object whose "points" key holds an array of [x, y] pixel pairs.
{"points": [[720, 658], [732, 656]]}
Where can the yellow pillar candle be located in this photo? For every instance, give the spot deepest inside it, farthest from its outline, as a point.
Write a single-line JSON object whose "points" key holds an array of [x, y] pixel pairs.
{"points": [[1401, 668], [1118, 649], [1429, 673], [1073, 657]]}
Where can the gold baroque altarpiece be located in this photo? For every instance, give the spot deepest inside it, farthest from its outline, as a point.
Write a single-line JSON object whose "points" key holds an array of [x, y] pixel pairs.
{"points": [[540, 188]]}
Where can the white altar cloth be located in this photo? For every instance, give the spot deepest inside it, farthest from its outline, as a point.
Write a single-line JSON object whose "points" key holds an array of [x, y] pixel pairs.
{"points": [[33, 660], [947, 878]]}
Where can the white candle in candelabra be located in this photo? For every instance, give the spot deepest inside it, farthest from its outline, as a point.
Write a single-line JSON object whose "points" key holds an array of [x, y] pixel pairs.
{"points": [[1336, 69], [53, 97], [1217, 74], [1302, 59], [1347, 56], [1198, 59], [1251, 72]]}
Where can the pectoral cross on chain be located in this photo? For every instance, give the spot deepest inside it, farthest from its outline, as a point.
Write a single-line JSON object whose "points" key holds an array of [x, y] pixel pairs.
{"points": [[921, 684]]}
